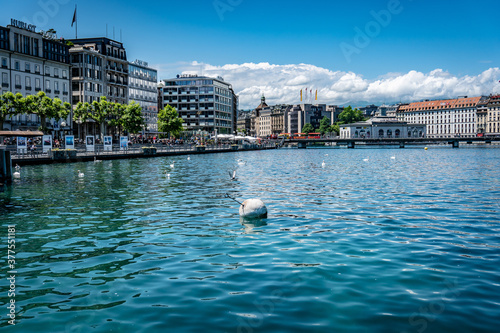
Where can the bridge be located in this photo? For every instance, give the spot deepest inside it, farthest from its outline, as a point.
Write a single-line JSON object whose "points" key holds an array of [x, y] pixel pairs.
{"points": [[401, 142]]}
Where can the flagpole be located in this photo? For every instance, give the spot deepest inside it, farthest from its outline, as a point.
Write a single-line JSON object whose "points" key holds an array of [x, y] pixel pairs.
{"points": [[76, 21]]}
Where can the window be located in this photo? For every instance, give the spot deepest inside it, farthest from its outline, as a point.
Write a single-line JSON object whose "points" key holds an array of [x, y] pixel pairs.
{"points": [[37, 69], [56, 72], [28, 82], [4, 62], [56, 87], [17, 66], [65, 87], [47, 85], [47, 70], [37, 84], [65, 74], [5, 79], [18, 81], [27, 67]]}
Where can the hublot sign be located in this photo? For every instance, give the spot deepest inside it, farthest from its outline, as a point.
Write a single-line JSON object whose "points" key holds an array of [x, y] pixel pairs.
{"points": [[22, 25]]}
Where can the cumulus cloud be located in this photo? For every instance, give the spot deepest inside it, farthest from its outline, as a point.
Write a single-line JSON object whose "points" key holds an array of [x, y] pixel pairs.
{"points": [[281, 84]]}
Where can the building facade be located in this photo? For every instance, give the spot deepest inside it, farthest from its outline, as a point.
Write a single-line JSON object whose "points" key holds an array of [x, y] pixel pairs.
{"points": [[205, 104], [444, 118], [30, 62], [142, 88], [493, 116], [101, 69], [382, 127]]}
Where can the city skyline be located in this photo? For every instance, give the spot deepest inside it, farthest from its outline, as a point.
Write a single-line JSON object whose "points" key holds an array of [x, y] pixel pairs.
{"points": [[352, 53]]}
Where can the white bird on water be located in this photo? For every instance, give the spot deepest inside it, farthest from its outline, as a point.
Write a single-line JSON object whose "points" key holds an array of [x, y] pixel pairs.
{"points": [[365, 159], [189, 158], [323, 164], [167, 175], [393, 157], [17, 173], [172, 165], [96, 160], [233, 176], [241, 162], [81, 174]]}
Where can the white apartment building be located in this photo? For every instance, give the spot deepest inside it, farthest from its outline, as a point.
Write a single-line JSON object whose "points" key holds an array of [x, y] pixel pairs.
{"points": [[142, 88], [30, 62]]}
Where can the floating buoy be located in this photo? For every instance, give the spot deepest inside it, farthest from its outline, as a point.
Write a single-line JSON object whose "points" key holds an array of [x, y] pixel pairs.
{"points": [[425, 148], [253, 208]]}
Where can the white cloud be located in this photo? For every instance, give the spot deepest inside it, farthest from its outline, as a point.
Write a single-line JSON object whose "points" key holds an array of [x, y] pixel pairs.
{"points": [[282, 84]]}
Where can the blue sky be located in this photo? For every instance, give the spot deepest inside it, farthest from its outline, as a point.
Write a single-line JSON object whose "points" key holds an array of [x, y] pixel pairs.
{"points": [[374, 40]]}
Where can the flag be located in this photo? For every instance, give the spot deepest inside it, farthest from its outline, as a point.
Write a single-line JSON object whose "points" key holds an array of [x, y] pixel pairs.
{"points": [[74, 18], [301, 95], [316, 95]]}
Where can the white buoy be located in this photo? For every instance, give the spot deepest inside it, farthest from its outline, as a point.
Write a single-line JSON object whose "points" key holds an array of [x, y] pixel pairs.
{"points": [[253, 208]]}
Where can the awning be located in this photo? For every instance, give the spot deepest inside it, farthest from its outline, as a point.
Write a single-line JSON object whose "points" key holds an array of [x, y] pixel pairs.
{"points": [[21, 133]]}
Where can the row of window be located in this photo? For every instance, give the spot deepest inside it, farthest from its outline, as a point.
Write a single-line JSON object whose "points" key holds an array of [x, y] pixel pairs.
{"points": [[28, 67], [37, 81]]}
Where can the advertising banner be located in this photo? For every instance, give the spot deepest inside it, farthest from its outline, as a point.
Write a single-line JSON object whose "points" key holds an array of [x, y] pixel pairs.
{"points": [[69, 142], [123, 142], [46, 143], [22, 144], [90, 143], [108, 143]]}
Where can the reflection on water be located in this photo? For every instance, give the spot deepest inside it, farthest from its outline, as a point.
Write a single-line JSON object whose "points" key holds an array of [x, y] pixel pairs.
{"points": [[406, 244]]}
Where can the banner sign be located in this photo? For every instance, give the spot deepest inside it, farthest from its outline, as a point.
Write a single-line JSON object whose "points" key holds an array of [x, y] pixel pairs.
{"points": [[89, 141], [108, 143], [69, 142], [46, 143], [22, 144], [123, 142]]}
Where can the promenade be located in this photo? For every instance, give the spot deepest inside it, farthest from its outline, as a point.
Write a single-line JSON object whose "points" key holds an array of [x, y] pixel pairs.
{"points": [[133, 151]]}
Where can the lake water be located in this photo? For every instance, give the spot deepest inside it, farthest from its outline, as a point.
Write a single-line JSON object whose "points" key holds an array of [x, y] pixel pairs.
{"points": [[378, 240]]}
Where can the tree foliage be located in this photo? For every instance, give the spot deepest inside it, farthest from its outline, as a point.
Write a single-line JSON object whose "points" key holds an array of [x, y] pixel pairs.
{"points": [[10, 105], [132, 120], [169, 121], [308, 128], [349, 116], [324, 125]]}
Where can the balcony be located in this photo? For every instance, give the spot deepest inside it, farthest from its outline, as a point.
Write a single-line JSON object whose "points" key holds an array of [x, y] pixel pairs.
{"points": [[37, 89], [48, 91], [57, 92], [5, 85], [65, 93], [18, 86], [28, 88]]}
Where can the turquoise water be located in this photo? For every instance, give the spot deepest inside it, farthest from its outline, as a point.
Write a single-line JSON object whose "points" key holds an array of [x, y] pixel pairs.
{"points": [[379, 240]]}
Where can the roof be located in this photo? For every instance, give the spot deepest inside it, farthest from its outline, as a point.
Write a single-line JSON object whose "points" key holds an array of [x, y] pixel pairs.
{"points": [[442, 104], [21, 133]]}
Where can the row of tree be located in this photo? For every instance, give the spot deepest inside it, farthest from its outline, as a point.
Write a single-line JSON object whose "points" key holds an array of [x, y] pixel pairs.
{"points": [[348, 116], [98, 114], [39, 104], [103, 113]]}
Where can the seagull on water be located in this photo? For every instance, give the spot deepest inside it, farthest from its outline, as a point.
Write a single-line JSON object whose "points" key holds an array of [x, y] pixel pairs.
{"points": [[17, 174], [96, 160], [241, 162], [323, 164], [393, 157], [189, 158], [365, 159], [233, 176], [81, 174], [172, 165]]}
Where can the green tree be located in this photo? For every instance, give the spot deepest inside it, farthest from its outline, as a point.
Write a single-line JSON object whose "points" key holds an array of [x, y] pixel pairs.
{"points": [[349, 116], [115, 115], [82, 113], [10, 105], [99, 113], [334, 128], [308, 128], [43, 106], [132, 120], [169, 121], [324, 125]]}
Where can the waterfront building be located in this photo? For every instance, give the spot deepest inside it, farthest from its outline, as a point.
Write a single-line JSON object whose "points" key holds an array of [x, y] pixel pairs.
{"points": [[205, 104], [444, 118], [382, 127], [142, 88], [482, 116], [387, 110], [100, 69], [369, 110], [30, 62], [278, 115], [302, 114], [244, 122], [493, 116]]}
